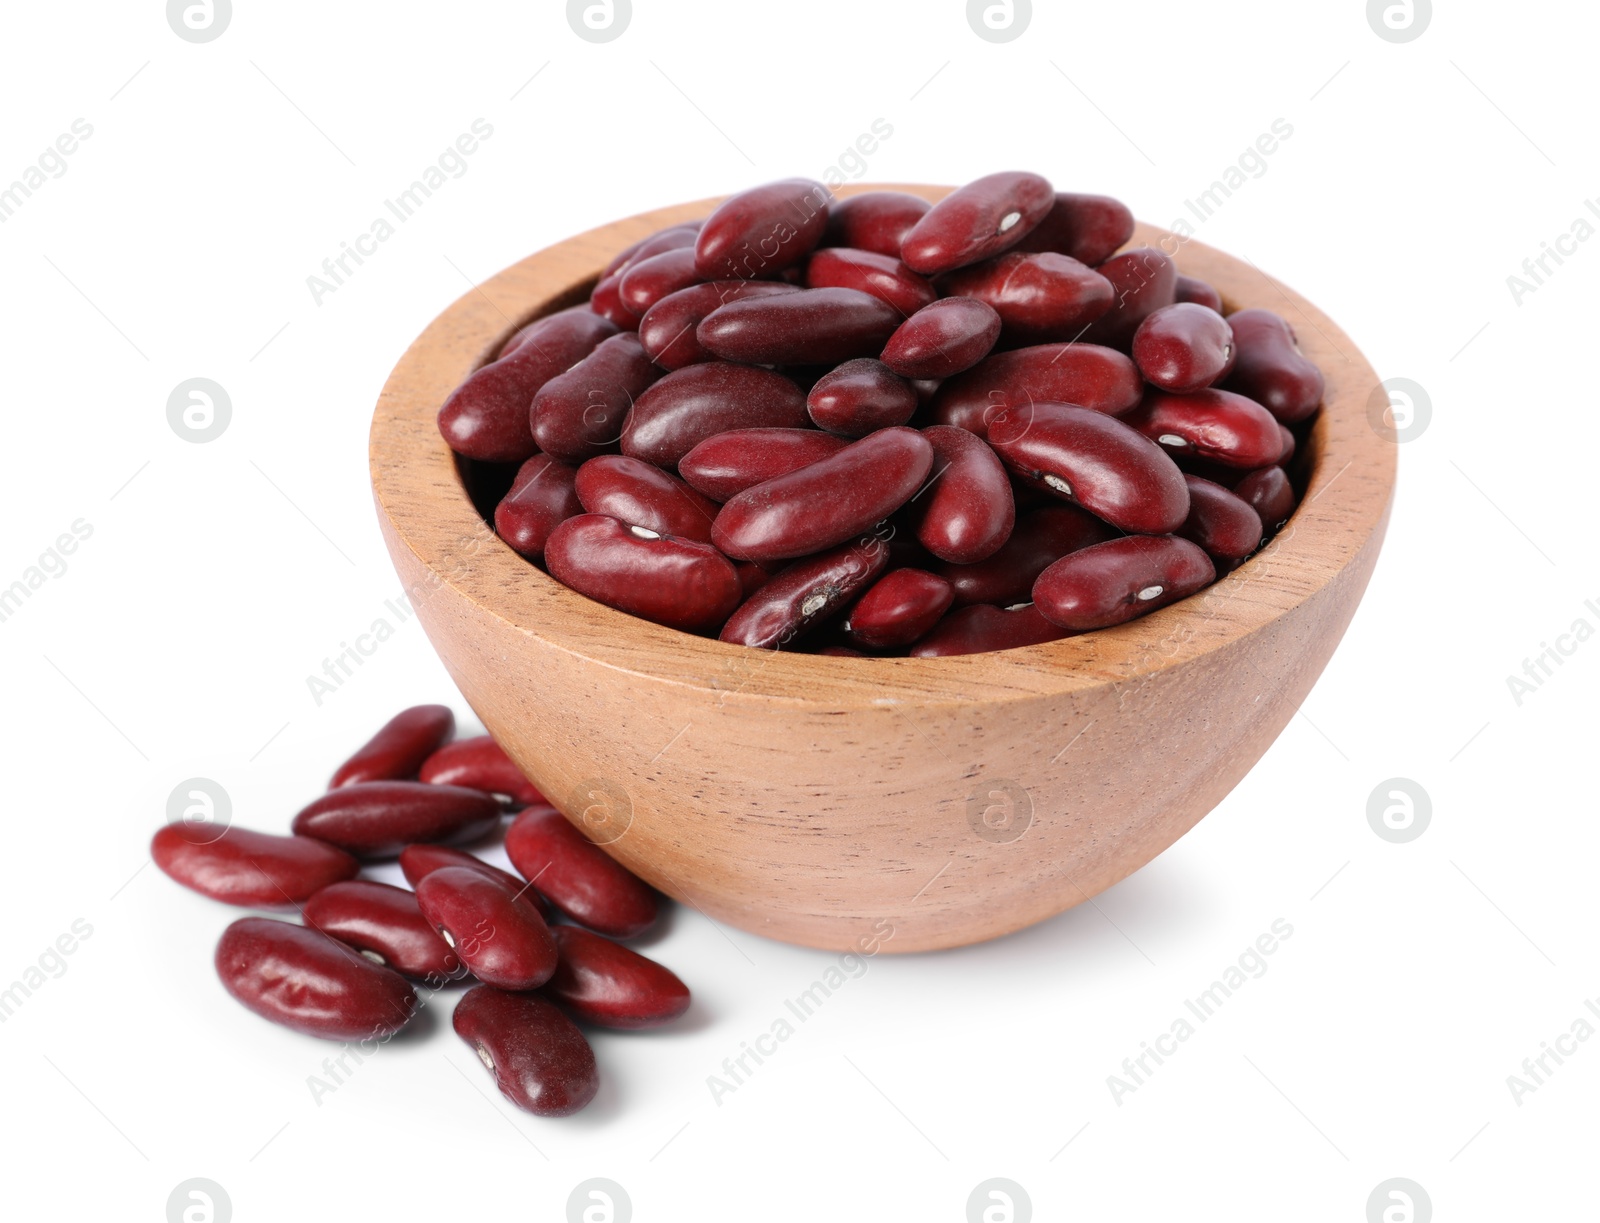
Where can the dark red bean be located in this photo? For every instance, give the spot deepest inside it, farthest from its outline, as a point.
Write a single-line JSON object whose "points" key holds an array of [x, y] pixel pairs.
{"points": [[1142, 280], [899, 608], [377, 819], [580, 413], [667, 329], [542, 497], [533, 328], [860, 397], [417, 862], [479, 763], [1220, 426], [605, 983], [1095, 460], [967, 512], [806, 594], [577, 876], [726, 464], [397, 751], [1040, 538], [497, 932], [699, 401], [307, 981], [240, 867], [1120, 580], [1085, 374], [809, 327], [752, 577], [1090, 228], [1184, 347], [874, 220], [1199, 292], [1039, 296], [681, 583], [647, 281], [384, 924], [883, 276], [983, 218], [1268, 492], [606, 301], [539, 1059], [827, 502], [951, 335], [622, 258], [759, 232], [1226, 526], [1288, 445], [980, 629], [641, 495], [1271, 369]]}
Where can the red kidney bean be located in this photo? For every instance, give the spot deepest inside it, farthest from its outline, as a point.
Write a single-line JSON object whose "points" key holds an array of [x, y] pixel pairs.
{"points": [[667, 329], [1041, 537], [576, 876], [662, 240], [1271, 369], [479, 763], [1084, 374], [304, 980], [983, 218], [542, 497], [580, 413], [982, 628], [1184, 347], [240, 867], [1267, 491], [752, 577], [1039, 296], [647, 281], [759, 232], [726, 464], [397, 751], [606, 301], [1220, 426], [417, 862], [486, 417], [874, 220], [605, 983], [699, 401], [1120, 580], [967, 512], [1096, 461], [899, 608], [384, 924], [1089, 228], [951, 335], [1199, 292], [808, 327], [806, 594], [497, 932], [644, 496], [376, 819], [681, 583], [860, 397], [827, 502], [883, 276], [1288, 445], [1227, 527], [539, 1059], [1143, 280], [542, 323]]}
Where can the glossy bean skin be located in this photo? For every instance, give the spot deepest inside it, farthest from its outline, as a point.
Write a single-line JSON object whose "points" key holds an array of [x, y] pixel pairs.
{"points": [[806, 594], [967, 513], [1219, 426], [1288, 445], [756, 234], [987, 216], [984, 627], [486, 417], [606, 984], [1096, 461], [1267, 491], [668, 328], [376, 819], [807, 327], [1225, 525], [1271, 369], [240, 867], [681, 583], [1040, 538], [417, 862], [1142, 281], [950, 335], [606, 301], [479, 763], [397, 751], [1088, 375], [577, 877], [539, 1059], [898, 608], [1040, 296], [580, 413], [699, 401], [874, 221], [726, 464], [860, 397], [883, 276], [532, 329], [542, 497], [643, 495], [1184, 347], [384, 924], [1120, 580], [302, 979], [1199, 292], [498, 933], [1089, 228], [826, 503], [647, 281]]}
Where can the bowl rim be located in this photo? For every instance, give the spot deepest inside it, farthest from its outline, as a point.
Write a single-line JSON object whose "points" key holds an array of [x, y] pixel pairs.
{"points": [[420, 494]]}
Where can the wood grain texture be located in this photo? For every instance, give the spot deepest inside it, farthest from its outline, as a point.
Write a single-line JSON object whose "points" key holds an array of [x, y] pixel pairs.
{"points": [[822, 800]]}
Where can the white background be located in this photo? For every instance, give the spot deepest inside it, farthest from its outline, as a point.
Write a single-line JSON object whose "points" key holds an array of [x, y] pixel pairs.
{"points": [[177, 244]]}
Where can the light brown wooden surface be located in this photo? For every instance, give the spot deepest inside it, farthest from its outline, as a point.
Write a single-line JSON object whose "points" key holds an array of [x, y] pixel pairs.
{"points": [[815, 799]]}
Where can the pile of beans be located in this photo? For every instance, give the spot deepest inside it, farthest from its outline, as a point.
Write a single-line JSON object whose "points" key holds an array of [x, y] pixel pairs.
{"points": [[347, 974], [872, 426]]}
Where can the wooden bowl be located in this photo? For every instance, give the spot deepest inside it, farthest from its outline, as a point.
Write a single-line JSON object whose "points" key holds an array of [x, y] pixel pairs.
{"points": [[846, 802]]}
